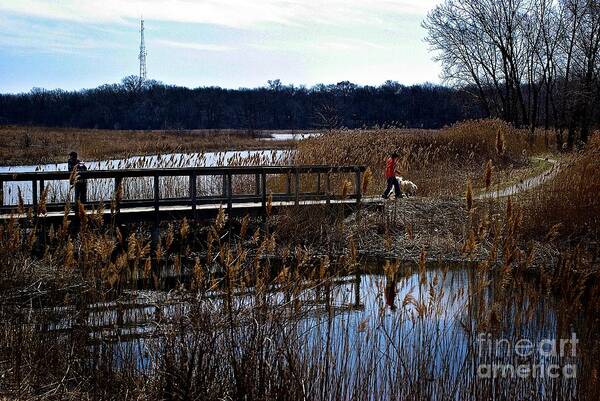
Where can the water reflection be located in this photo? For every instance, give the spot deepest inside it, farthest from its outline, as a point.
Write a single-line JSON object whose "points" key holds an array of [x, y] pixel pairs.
{"points": [[389, 334]]}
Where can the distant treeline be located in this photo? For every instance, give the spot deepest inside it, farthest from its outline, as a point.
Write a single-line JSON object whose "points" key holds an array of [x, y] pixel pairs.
{"points": [[132, 104]]}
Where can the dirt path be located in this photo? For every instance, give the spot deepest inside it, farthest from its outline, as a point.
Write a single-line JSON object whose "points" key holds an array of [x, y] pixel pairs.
{"points": [[524, 185]]}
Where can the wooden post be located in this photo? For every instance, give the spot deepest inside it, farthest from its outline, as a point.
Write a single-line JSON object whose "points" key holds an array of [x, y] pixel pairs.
{"points": [[288, 184], [156, 197], [328, 187], [155, 237], [193, 195], [263, 178], [229, 197], [42, 184], [224, 191], [357, 186], [318, 183], [34, 195], [118, 183], [257, 184], [297, 197]]}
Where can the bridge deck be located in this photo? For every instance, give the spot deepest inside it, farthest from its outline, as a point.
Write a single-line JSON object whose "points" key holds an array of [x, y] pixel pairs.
{"points": [[302, 186], [146, 213]]}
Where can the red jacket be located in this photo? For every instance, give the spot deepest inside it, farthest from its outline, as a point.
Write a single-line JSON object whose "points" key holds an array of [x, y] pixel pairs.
{"points": [[390, 168]]}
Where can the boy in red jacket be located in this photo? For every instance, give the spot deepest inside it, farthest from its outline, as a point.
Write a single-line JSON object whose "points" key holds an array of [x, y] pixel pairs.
{"points": [[390, 176]]}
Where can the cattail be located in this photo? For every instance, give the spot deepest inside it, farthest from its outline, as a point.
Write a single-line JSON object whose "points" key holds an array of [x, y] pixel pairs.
{"points": [[147, 267], [99, 214], [409, 299], [324, 267], [69, 261], [184, 230], [353, 252], [500, 142], [244, 227], [31, 240], [21, 202], [159, 250], [120, 238], [177, 266], [346, 188], [487, 177], [255, 236], [170, 237], [470, 243], [469, 195], [143, 251], [553, 233], [119, 194], [132, 246], [82, 214], [366, 180], [220, 220], [409, 232], [283, 275], [42, 202], [363, 325]]}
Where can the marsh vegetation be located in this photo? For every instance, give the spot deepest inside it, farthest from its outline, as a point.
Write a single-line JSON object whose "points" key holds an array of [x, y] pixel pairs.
{"points": [[321, 303]]}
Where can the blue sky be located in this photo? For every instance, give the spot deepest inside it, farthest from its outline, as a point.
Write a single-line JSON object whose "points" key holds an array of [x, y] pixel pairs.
{"points": [[74, 44]]}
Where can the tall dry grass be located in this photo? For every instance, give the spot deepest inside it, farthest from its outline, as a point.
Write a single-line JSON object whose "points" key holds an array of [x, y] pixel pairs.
{"points": [[309, 328], [254, 312], [40, 145], [437, 161], [567, 205]]}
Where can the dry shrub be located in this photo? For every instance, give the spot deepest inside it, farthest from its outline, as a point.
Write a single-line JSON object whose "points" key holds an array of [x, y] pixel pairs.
{"points": [[437, 161], [568, 204]]}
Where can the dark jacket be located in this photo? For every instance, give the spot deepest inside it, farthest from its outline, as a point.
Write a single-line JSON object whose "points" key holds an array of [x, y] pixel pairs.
{"points": [[76, 163]]}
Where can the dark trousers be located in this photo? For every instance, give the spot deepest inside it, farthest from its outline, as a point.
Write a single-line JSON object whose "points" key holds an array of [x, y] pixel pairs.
{"points": [[81, 191], [392, 182]]}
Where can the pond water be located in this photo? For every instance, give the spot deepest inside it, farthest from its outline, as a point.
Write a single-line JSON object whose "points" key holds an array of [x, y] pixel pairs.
{"points": [[384, 331], [103, 189], [291, 136]]}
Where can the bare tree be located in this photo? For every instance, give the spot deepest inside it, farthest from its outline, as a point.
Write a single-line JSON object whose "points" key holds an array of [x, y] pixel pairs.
{"points": [[531, 62]]}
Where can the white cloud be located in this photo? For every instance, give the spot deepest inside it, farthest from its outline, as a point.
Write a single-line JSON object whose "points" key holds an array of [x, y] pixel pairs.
{"points": [[231, 13], [193, 45], [298, 40], [347, 45], [27, 35]]}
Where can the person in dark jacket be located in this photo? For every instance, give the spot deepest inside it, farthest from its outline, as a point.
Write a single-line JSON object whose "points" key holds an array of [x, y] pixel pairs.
{"points": [[75, 166]]}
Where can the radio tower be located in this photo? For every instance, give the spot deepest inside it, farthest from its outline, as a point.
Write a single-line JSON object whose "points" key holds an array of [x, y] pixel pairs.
{"points": [[143, 53]]}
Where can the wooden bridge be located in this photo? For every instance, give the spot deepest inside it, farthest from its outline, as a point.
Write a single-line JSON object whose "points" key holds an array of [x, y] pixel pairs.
{"points": [[195, 192]]}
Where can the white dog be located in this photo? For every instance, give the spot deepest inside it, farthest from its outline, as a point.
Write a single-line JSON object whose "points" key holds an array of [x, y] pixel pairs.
{"points": [[407, 187]]}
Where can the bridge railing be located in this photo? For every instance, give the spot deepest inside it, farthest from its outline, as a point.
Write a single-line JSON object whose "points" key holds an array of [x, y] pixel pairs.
{"points": [[296, 182]]}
